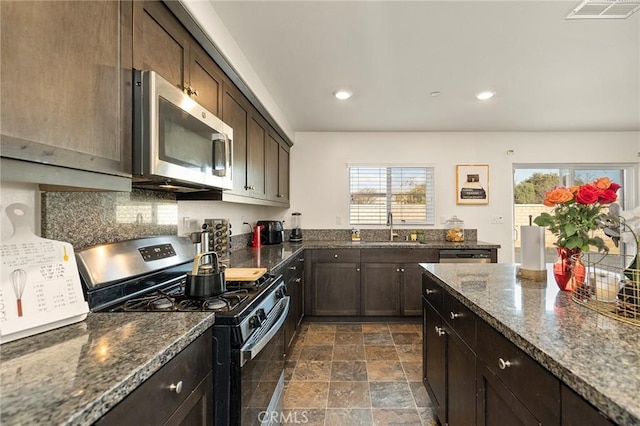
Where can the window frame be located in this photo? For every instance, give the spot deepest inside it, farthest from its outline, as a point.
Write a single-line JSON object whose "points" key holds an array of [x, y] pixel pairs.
{"points": [[429, 205]]}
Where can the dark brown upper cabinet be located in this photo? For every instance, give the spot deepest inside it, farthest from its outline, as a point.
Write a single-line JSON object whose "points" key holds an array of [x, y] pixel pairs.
{"points": [[163, 45], [66, 90]]}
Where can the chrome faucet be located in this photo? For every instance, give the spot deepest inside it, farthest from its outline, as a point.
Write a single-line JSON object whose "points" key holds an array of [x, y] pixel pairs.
{"points": [[390, 224]]}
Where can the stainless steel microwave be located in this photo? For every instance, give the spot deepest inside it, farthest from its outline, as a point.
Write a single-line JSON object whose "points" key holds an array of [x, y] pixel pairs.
{"points": [[177, 144]]}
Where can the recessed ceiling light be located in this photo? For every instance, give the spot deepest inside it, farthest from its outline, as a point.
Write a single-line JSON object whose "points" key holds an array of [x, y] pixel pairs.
{"points": [[342, 94], [483, 96]]}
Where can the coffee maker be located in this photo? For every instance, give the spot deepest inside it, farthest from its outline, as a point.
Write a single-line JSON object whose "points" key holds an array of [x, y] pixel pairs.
{"points": [[296, 228]]}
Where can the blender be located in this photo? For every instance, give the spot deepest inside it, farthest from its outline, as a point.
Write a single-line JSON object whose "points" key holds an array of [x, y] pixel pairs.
{"points": [[296, 228]]}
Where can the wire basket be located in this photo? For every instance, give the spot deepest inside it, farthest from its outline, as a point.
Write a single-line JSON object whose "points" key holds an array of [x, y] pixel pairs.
{"points": [[611, 287]]}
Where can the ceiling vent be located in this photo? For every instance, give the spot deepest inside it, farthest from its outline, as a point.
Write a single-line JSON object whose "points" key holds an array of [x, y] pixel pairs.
{"points": [[604, 9]]}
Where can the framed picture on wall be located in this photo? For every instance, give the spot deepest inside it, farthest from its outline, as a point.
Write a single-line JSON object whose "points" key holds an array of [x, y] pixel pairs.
{"points": [[472, 184]]}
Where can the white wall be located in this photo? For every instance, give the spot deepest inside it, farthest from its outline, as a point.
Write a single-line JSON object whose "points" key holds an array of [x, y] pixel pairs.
{"points": [[197, 211], [319, 176]]}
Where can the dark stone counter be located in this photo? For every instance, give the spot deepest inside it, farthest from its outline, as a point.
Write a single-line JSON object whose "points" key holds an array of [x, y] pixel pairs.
{"points": [[75, 374], [597, 356]]}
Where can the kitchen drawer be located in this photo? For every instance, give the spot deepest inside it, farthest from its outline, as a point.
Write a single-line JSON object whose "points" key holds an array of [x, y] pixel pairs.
{"points": [[433, 294], [155, 400], [531, 383], [399, 255], [337, 255], [461, 319]]}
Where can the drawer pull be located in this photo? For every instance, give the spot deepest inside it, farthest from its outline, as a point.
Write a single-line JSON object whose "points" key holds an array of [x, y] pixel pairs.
{"points": [[453, 315], [503, 364], [293, 268], [440, 331], [429, 291], [176, 388], [298, 280], [335, 255]]}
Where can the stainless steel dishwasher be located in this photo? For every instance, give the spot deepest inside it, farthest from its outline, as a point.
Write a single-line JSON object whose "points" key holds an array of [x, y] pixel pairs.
{"points": [[465, 256]]}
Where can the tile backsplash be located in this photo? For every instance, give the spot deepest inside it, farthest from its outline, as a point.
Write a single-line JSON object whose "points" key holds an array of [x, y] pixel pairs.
{"points": [[84, 219]]}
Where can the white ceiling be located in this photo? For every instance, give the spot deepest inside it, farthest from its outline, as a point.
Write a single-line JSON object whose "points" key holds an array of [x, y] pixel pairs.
{"points": [[549, 74]]}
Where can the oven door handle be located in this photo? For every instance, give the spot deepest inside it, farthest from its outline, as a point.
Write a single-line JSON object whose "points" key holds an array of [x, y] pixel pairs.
{"points": [[272, 325]]}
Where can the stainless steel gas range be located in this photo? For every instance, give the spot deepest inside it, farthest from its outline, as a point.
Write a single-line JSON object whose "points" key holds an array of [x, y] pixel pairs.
{"points": [[149, 275]]}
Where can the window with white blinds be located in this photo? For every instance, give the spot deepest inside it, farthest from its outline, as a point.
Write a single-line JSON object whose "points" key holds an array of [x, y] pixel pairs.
{"points": [[407, 192]]}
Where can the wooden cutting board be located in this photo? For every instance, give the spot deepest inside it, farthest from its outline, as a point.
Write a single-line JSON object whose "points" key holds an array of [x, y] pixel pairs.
{"points": [[243, 274]]}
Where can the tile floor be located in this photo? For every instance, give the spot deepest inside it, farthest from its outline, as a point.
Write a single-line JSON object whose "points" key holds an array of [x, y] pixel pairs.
{"points": [[357, 374]]}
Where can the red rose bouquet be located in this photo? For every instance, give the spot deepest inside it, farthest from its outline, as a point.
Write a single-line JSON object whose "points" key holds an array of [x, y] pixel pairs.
{"points": [[578, 210]]}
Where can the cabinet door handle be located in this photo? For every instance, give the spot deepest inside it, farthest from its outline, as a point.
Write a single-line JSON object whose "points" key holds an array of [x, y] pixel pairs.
{"points": [[503, 364], [176, 388], [440, 331], [335, 255], [293, 268], [192, 91], [429, 291], [453, 315], [301, 259], [397, 269], [298, 280], [357, 269], [401, 269]]}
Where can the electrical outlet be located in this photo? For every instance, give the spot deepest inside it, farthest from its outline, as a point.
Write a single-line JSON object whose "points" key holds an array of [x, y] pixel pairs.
{"points": [[497, 220]]}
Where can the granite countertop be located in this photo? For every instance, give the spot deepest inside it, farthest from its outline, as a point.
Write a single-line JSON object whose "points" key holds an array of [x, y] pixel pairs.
{"points": [[597, 356], [273, 256], [75, 374]]}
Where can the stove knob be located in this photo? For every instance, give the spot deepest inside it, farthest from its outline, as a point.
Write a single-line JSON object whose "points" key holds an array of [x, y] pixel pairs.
{"points": [[281, 293], [261, 315]]}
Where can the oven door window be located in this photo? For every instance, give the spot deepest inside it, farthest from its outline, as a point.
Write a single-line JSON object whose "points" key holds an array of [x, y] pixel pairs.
{"points": [[186, 141]]}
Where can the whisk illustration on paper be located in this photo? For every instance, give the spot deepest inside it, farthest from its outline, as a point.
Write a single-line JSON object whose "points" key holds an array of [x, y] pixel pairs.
{"points": [[19, 282]]}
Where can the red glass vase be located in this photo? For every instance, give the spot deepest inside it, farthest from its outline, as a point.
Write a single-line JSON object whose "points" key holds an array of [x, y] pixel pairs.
{"points": [[568, 269]]}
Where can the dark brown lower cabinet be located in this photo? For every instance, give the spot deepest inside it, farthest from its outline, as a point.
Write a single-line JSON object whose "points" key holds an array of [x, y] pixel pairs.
{"points": [[449, 371], [578, 412], [475, 375], [461, 381], [380, 289], [391, 280], [293, 274], [411, 288], [496, 404], [336, 289], [180, 393], [435, 361], [334, 284]]}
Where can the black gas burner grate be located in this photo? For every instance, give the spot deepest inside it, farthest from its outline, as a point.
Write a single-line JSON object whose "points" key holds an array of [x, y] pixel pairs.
{"points": [[158, 302], [177, 302], [225, 302]]}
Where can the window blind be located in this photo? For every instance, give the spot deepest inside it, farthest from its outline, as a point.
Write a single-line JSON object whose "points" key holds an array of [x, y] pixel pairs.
{"points": [[407, 192]]}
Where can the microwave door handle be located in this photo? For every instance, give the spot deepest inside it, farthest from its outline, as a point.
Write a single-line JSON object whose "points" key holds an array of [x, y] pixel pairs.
{"points": [[229, 147]]}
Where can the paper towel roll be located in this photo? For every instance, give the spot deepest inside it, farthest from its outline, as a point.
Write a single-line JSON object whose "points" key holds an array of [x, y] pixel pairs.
{"points": [[532, 248]]}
